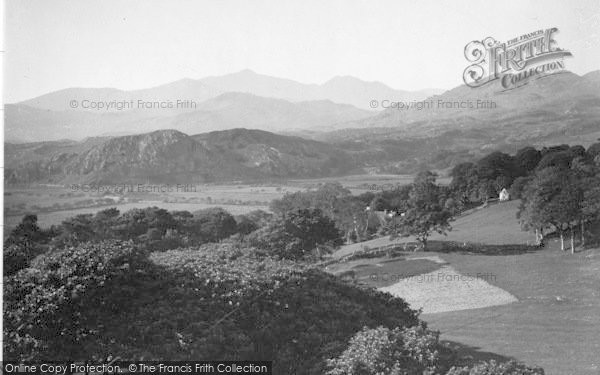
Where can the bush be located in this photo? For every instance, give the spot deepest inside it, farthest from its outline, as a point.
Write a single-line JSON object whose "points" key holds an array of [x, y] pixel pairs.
{"points": [[381, 350], [52, 308], [218, 301], [494, 368], [296, 316]]}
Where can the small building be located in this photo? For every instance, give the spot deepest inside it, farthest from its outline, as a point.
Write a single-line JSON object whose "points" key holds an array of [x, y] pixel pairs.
{"points": [[504, 195]]}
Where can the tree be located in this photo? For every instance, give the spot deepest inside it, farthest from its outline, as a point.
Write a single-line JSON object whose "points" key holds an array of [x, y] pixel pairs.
{"points": [[465, 182], [559, 159], [25, 242], [593, 150], [527, 159], [104, 222], [297, 234], [76, 230], [214, 224], [495, 165], [426, 213], [518, 186], [27, 232], [553, 198], [590, 205], [260, 218], [245, 225]]}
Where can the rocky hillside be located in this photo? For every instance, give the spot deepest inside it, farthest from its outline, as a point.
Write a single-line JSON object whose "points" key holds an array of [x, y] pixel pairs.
{"points": [[169, 156]]}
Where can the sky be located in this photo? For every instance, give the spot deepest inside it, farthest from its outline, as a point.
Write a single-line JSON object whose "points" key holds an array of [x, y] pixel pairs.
{"points": [[406, 44]]}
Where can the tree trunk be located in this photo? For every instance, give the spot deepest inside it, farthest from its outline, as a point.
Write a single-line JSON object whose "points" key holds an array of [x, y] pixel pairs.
{"points": [[562, 241], [572, 241], [582, 232], [423, 244]]}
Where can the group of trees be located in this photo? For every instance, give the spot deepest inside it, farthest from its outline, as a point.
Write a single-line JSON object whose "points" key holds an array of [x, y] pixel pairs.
{"points": [[484, 179], [558, 187], [295, 234], [561, 198], [151, 228], [334, 201], [418, 209]]}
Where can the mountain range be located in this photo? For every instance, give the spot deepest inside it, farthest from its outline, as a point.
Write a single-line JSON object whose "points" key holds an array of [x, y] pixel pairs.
{"points": [[232, 133], [341, 89], [226, 111], [563, 103], [558, 108], [243, 99]]}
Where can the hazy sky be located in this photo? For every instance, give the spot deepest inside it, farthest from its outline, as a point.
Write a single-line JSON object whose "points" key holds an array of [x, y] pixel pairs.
{"points": [[409, 44]]}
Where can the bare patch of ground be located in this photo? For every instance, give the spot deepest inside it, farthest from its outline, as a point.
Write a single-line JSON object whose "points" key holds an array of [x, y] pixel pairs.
{"points": [[446, 290]]}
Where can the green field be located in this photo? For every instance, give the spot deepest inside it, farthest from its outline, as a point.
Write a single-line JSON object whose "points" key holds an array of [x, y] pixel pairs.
{"points": [[555, 323], [554, 319], [494, 225]]}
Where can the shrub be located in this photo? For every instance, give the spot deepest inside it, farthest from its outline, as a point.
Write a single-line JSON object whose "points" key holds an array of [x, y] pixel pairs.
{"points": [[218, 301], [381, 350], [494, 368], [53, 307], [16, 257]]}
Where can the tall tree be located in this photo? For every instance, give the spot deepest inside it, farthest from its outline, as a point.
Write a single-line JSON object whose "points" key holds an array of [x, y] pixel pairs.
{"points": [[553, 198], [426, 212]]}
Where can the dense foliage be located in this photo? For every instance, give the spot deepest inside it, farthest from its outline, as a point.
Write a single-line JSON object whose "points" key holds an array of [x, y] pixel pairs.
{"points": [[297, 234], [494, 368], [561, 195], [411, 351], [218, 301], [381, 350], [23, 244], [425, 211], [347, 211], [152, 228], [53, 308], [484, 179]]}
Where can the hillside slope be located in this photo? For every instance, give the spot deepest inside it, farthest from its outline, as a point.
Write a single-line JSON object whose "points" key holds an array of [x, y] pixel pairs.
{"points": [[25, 122], [169, 156], [493, 225]]}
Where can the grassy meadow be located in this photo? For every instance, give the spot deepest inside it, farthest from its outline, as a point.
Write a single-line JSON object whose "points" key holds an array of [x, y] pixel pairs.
{"points": [[552, 320]]}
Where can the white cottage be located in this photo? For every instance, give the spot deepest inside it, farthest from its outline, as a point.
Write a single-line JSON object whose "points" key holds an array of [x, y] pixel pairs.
{"points": [[504, 195]]}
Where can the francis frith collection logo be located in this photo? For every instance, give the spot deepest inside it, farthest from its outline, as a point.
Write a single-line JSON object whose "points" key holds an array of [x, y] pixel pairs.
{"points": [[514, 62]]}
